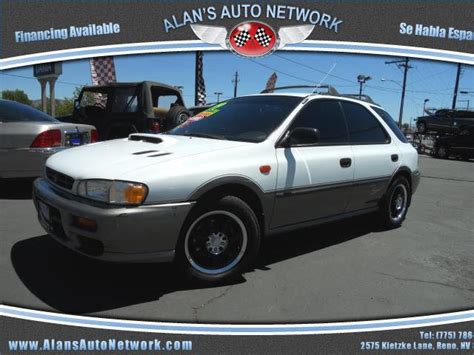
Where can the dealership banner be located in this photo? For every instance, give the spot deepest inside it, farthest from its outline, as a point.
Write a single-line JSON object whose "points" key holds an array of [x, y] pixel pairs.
{"points": [[53, 332], [62, 30]]}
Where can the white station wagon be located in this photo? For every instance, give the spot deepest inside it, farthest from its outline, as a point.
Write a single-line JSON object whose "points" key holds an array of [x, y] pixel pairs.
{"points": [[206, 193]]}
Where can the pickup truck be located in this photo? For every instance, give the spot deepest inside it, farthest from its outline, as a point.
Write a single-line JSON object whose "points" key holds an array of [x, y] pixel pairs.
{"points": [[119, 109], [446, 121]]}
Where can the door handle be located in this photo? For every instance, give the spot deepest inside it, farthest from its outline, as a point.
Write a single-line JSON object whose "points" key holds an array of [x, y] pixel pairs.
{"points": [[394, 157], [345, 162]]}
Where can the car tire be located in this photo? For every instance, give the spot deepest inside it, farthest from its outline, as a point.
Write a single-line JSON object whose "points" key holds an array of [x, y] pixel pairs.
{"points": [[395, 204], [442, 152], [176, 116], [421, 127], [218, 241]]}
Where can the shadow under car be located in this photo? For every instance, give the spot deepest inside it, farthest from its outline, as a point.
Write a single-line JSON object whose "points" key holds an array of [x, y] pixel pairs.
{"points": [[71, 283]]}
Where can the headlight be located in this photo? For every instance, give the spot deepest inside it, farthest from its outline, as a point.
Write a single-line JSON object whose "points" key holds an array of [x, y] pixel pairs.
{"points": [[118, 192]]}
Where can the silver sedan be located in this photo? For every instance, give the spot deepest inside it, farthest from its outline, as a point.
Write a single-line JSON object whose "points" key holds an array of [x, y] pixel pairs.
{"points": [[28, 137]]}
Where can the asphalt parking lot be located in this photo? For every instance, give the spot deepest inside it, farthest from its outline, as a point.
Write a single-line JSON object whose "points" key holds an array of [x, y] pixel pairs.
{"points": [[341, 271]]}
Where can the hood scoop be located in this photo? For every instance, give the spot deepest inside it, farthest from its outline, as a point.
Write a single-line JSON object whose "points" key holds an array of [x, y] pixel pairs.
{"points": [[145, 138], [156, 153]]}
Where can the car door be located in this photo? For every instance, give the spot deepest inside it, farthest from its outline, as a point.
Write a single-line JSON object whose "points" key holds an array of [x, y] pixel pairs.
{"points": [[375, 155], [314, 180]]}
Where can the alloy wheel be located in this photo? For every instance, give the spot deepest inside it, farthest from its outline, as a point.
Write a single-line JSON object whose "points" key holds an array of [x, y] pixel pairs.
{"points": [[215, 242]]}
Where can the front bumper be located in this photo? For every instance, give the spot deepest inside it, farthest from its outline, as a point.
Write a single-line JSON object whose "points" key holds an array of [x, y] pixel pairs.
{"points": [[123, 234]]}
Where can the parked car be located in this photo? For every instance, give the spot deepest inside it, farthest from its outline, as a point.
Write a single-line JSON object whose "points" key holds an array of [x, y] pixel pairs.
{"points": [[28, 137], [461, 145], [119, 109], [208, 191], [446, 121]]}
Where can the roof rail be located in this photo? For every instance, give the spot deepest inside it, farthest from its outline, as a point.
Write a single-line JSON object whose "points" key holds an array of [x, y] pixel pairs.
{"points": [[365, 98], [330, 89]]}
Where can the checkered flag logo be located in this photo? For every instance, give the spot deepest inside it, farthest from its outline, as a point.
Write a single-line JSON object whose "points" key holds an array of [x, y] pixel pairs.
{"points": [[262, 37], [242, 38], [103, 70]]}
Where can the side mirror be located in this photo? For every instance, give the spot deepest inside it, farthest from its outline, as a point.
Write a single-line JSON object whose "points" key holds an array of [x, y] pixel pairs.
{"points": [[301, 136]]}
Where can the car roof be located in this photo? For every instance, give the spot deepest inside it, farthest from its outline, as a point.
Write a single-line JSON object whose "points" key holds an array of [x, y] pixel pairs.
{"points": [[318, 95], [135, 83]]}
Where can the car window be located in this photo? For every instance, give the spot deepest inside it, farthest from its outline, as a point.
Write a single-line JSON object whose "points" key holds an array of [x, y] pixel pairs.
{"points": [[391, 123], [165, 101], [327, 117], [15, 112], [364, 128], [96, 98], [247, 119], [125, 99]]}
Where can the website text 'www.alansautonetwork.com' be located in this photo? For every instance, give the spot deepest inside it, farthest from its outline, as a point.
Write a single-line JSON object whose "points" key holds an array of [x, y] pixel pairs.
{"points": [[99, 345]]}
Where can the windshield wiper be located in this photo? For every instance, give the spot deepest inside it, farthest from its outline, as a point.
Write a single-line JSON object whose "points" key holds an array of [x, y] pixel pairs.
{"points": [[205, 135]]}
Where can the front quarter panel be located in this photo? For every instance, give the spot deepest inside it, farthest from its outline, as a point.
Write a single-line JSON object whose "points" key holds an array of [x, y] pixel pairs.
{"points": [[178, 180]]}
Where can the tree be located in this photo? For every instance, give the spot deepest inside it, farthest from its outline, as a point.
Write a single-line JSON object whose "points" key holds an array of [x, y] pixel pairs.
{"points": [[16, 95], [65, 106]]}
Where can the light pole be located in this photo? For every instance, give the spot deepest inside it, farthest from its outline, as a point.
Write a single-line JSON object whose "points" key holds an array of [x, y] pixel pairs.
{"points": [[402, 63], [393, 81], [424, 106], [465, 92], [402, 101], [467, 101], [362, 79], [218, 94]]}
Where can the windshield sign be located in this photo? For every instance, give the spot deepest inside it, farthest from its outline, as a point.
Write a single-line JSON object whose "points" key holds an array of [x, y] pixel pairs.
{"points": [[247, 119]]}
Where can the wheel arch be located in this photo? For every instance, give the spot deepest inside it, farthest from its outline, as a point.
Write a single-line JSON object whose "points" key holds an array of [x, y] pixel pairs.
{"points": [[402, 171], [407, 173], [240, 187]]}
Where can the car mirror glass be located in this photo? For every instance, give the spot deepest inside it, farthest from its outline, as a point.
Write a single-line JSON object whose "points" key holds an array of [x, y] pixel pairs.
{"points": [[303, 136]]}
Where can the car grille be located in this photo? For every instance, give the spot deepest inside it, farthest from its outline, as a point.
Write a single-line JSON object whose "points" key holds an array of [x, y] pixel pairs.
{"points": [[59, 179]]}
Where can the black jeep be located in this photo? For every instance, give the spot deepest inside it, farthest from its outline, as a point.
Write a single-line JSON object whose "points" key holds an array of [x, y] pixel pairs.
{"points": [[446, 121], [118, 109]]}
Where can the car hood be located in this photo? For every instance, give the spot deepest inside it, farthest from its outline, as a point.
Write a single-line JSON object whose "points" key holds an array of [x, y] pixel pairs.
{"points": [[112, 159]]}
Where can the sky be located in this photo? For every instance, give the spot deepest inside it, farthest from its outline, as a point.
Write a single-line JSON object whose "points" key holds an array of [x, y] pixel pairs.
{"points": [[431, 80]]}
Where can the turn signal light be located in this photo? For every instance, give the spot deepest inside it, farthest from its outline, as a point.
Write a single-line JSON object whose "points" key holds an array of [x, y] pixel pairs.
{"points": [[47, 139], [135, 194], [265, 169], [94, 136], [85, 223]]}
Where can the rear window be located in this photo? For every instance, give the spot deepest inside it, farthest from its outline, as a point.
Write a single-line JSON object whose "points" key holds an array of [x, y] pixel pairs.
{"points": [[11, 111], [391, 123]]}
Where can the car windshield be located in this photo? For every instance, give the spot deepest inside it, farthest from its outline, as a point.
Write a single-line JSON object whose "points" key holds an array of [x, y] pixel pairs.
{"points": [[247, 119], [15, 112]]}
